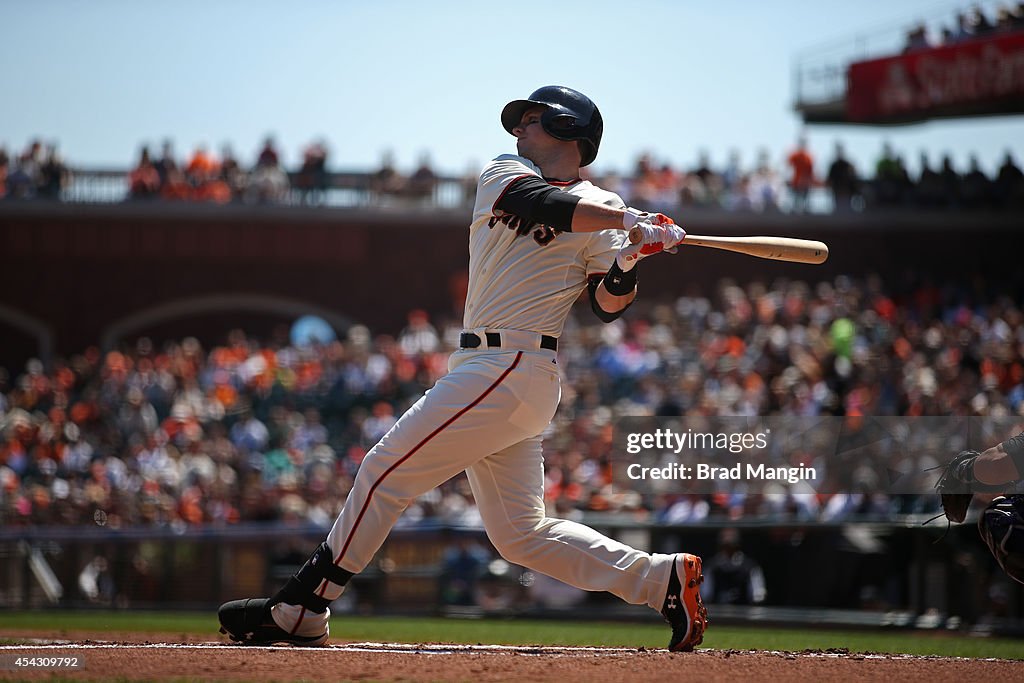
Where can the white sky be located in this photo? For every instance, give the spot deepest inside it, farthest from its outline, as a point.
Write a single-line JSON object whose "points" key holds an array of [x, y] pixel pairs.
{"points": [[671, 78]]}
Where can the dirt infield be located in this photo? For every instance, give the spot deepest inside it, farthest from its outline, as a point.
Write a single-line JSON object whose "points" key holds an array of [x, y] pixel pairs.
{"points": [[179, 657]]}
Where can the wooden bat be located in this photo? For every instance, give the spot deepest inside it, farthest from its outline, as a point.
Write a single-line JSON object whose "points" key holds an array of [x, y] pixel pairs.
{"points": [[775, 248]]}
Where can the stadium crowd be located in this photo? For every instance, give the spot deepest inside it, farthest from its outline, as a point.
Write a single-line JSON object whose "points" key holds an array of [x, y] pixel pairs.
{"points": [[765, 186], [967, 25], [247, 431]]}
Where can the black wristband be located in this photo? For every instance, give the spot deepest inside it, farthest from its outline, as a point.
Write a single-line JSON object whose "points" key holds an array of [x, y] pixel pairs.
{"points": [[618, 283]]}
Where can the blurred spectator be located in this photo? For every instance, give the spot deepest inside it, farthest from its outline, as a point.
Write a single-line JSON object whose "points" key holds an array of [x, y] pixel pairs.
{"points": [[802, 180], [312, 178], [1006, 21], [200, 166], [204, 175], [268, 183], [423, 181], [963, 30], [645, 186], [917, 39], [463, 565], [249, 434], [419, 336], [5, 161], [703, 170], [667, 182], [25, 176], [976, 187], [268, 154], [166, 164], [732, 577], [387, 180], [892, 182], [701, 186], [763, 186], [53, 174], [930, 190], [733, 173], [980, 23], [377, 425], [232, 175], [310, 434], [144, 179], [842, 181], [1009, 184], [96, 583], [950, 182]]}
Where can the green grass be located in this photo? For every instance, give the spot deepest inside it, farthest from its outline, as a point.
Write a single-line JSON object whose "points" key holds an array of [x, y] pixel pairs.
{"points": [[529, 632]]}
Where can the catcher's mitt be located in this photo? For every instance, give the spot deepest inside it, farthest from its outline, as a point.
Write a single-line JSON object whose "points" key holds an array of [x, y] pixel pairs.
{"points": [[955, 485]]}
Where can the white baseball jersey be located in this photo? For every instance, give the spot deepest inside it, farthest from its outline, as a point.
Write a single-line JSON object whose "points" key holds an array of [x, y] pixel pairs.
{"points": [[530, 282]]}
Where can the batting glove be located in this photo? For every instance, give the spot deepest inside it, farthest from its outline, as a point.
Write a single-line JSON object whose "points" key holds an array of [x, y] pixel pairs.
{"points": [[634, 216], [656, 238]]}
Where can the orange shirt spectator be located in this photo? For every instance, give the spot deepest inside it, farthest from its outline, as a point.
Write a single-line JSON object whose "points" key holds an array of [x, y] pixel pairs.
{"points": [[803, 176], [202, 165], [803, 168]]}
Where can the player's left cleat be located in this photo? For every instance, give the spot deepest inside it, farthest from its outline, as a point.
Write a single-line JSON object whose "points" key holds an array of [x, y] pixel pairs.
{"points": [[684, 609], [249, 622]]}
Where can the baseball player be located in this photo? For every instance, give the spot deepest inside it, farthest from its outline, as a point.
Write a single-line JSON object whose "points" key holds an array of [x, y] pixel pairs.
{"points": [[1001, 524], [539, 237]]}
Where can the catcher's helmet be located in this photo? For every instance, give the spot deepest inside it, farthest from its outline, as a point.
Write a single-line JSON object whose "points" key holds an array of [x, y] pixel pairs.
{"points": [[1002, 527], [569, 115]]}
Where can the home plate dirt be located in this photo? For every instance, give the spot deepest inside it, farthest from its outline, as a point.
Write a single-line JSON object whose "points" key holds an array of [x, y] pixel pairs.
{"points": [[134, 658]]}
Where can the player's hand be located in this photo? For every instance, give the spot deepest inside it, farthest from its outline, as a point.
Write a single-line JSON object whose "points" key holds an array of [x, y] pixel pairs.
{"points": [[634, 216], [654, 239]]}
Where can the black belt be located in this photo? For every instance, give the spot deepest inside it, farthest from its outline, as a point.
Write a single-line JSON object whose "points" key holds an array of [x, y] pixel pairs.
{"points": [[470, 340]]}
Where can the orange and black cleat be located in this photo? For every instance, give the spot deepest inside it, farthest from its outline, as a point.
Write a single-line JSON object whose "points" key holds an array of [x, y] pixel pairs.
{"points": [[684, 609]]}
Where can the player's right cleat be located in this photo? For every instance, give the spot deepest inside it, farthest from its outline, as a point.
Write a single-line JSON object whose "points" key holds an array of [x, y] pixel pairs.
{"points": [[249, 622], [683, 609]]}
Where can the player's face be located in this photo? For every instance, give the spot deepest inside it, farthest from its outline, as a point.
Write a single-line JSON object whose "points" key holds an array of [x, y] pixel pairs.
{"points": [[531, 139]]}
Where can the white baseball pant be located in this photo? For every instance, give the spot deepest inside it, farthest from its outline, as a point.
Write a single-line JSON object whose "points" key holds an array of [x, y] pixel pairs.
{"points": [[485, 417]]}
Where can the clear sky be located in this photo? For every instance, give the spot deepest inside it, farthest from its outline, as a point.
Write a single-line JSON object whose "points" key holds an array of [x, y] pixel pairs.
{"points": [[101, 77]]}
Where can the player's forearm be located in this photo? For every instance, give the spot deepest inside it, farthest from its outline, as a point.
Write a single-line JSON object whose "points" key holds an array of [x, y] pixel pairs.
{"points": [[591, 216], [995, 466]]}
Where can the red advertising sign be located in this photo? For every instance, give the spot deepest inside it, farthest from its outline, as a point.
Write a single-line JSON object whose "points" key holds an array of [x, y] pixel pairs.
{"points": [[983, 76]]}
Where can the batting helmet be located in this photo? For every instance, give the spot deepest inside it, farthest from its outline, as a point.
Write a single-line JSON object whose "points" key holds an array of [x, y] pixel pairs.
{"points": [[1002, 527], [569, 115]]}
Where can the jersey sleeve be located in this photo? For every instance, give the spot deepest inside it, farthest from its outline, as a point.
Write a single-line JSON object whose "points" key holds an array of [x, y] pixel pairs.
{"points": [[495, 179], [605, 244]]}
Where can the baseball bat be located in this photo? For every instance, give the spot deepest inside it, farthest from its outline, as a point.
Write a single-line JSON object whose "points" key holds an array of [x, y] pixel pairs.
{"points": [[775, 248]]}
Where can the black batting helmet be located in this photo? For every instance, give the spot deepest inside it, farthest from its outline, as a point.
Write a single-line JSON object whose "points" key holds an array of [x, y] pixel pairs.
{"points": [[569, 115]]}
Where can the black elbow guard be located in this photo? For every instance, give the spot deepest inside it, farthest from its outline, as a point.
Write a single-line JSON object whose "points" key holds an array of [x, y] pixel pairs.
{"points": [[604, 316], [536, 202]]}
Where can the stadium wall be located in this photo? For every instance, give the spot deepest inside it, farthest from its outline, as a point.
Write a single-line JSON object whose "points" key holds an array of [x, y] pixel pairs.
{"points": [[73, 276]]}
